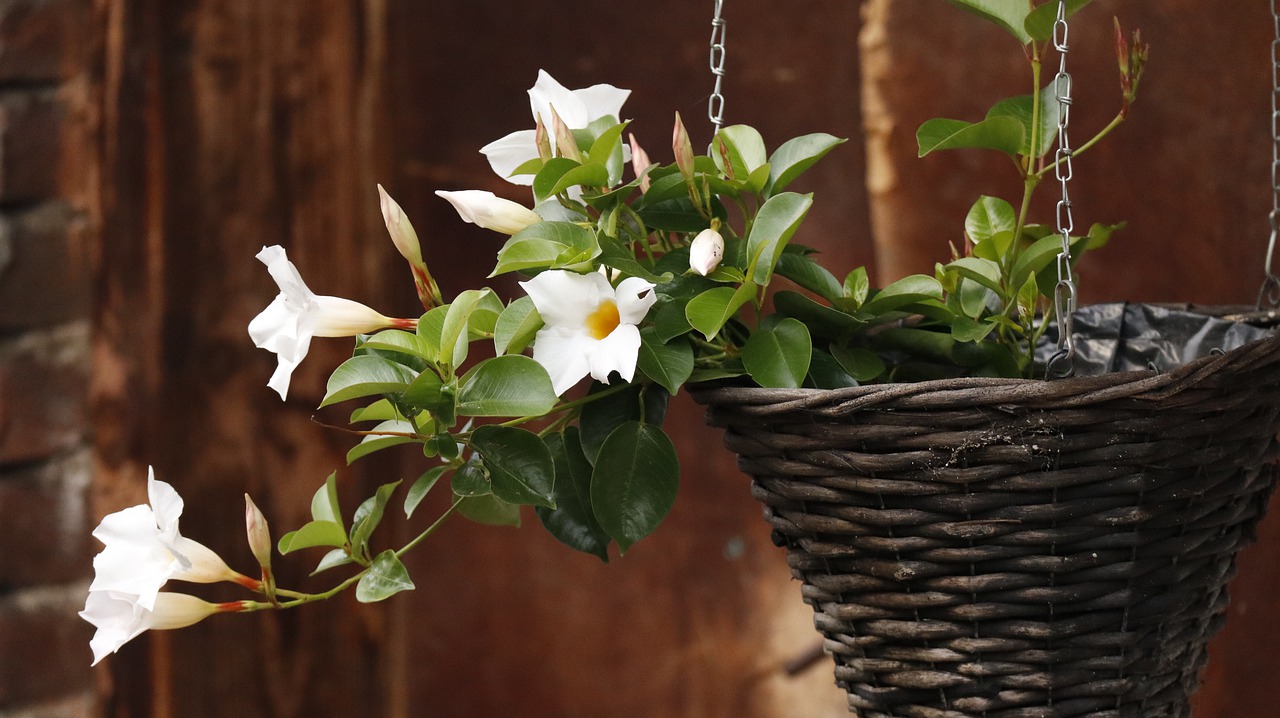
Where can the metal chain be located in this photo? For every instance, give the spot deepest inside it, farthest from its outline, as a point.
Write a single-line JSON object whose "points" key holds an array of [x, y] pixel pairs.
{"points": [[1270, 290], [715, 104], [1064, 294]]}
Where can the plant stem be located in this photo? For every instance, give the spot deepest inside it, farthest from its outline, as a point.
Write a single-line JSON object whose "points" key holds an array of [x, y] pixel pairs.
{"points": [[1114, 123]]}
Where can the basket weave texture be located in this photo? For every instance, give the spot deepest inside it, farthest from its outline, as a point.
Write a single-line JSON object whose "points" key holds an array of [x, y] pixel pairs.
{"points": [[1016, 548]]}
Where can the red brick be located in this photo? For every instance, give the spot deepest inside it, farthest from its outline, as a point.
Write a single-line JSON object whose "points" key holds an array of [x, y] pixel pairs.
{"points": [[46, 509], [31, 128], [40, 38], [44, 645], [44, 378], [44, 273]]}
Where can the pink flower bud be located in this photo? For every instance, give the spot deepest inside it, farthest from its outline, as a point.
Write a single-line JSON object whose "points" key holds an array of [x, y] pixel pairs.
{"points": [[259, 533], [566, 145], [682, 148], [401, 231], [639, 162]]}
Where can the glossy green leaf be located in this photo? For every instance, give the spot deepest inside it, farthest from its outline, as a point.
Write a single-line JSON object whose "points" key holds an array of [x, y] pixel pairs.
{"points": [[429, 327], [453, 334], [862, 364], [1022, 108], [324, 503], [826, 373], [669, 364], [421, 487], [335, 558], [510, 385], [802, 270], [601, 416], [1034, 258], [669, 319], [312, 534], [380, 410], [778, 357], [490, 511], [988, 216], [519, 464], [373, 442], [1040, 21], [616, 256], [821, 319], [908, 290], [744, 148], [516, 327], [385, 577], [965, 329], [1003, 133], [857, 285], [368, 515], [796, 155], [549, 176], [471, 479], [776, 221], [1009, 15], [366, 375], [541, 245], [573, 522], [709, 311], [982, 271], [426, 392], [397, 340], [673, 215], [634, 483]]}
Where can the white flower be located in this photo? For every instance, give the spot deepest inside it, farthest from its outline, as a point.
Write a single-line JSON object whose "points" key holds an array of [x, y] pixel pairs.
{"points": [[578, 108], [589, 327], [485, 209], [706, 251], [120, 617], [143, 549], [288, 323]]}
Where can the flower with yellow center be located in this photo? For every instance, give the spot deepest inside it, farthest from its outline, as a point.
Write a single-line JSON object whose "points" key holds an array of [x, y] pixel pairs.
{"points": [[589, 327]]}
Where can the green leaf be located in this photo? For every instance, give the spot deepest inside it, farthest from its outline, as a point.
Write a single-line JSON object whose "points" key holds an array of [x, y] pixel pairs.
{"points": [[366, 375], [471, 480], [778, 218], [634, 483], [1100, 234], [380, 410], [1010, 15], [519, 464], [673, 215], [1021, 109], [426, 392], [974, 299], [778, 357], [335, 558], [965, 329], [591, 174], [490, 511], [547, 177], [669, 319], [510, 385], [573, 522], [1035, 258], [1040, 21], [372, 442], [669, 364], [484, 318], [908, 290], [744, 148], [857, 285], [397, 340], [542, 244], [795, 156], [516, 327], [601, 416], [385, 577], [709, 311], [324, 503], [988, 216], [802, 270], [607, 151], [862, 364], [826, 373], [312, 534], [822, 320], [613, 254], [421, 487], [453, 335], [994, 133], [982, 271], [429, 328], [368, 515]]}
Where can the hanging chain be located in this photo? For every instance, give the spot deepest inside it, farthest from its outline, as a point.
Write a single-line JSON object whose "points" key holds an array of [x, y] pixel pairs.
{"points": [[715, 104], [1064, 294], [1270, 290]]}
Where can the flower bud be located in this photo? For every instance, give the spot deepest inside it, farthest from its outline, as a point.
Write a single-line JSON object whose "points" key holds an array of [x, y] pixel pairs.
{"points": [[639, 162], [542, 140], [706, 251], [566, 144], [682, 148], [401, 231], [485, 209], [255, 525]]}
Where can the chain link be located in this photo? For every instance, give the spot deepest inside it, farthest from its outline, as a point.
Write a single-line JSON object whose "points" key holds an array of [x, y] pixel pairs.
{"points": [[1270, 290], [1064, 294], [715, 104]]}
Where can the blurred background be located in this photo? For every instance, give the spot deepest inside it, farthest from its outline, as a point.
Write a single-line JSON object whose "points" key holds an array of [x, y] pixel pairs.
{"points": [[148, 148]]}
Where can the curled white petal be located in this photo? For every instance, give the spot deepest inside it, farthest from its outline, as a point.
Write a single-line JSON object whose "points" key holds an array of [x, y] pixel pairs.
{"points": [[120, 617], [485, 209], [508, 153]]}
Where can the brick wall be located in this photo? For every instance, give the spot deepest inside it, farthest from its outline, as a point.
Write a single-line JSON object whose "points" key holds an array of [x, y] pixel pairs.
{"points": [[45, 456]]}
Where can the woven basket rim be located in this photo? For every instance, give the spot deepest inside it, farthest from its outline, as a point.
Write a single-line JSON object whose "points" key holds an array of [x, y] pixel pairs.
{"points": [[1148, 385]]}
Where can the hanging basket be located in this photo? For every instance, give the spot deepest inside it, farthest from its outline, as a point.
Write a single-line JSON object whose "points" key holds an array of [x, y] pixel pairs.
{"points": [[1011, 548]]}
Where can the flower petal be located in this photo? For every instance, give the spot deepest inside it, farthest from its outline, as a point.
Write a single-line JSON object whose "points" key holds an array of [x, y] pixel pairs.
{"points": [[565, 299], [165, 503], [134, 568], [508, 153], [634, 296], [563, 352], [276, 327], [602, 101], [339, 317], [547, 93], [616, 352], [283, 271]]}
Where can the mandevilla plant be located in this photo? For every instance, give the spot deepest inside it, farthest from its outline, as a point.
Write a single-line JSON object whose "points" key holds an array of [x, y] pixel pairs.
{"points": [[640, 285]]}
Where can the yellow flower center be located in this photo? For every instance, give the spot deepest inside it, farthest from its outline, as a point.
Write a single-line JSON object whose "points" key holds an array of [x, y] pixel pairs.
{"points": [[603, 320]]}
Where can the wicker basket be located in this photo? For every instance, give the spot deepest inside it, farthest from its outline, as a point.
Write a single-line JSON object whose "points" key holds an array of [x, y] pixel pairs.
{"points": [[1014, 548]]}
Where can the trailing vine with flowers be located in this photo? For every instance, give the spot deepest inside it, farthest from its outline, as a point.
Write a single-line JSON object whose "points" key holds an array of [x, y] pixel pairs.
{"points": [[638, 278]]}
